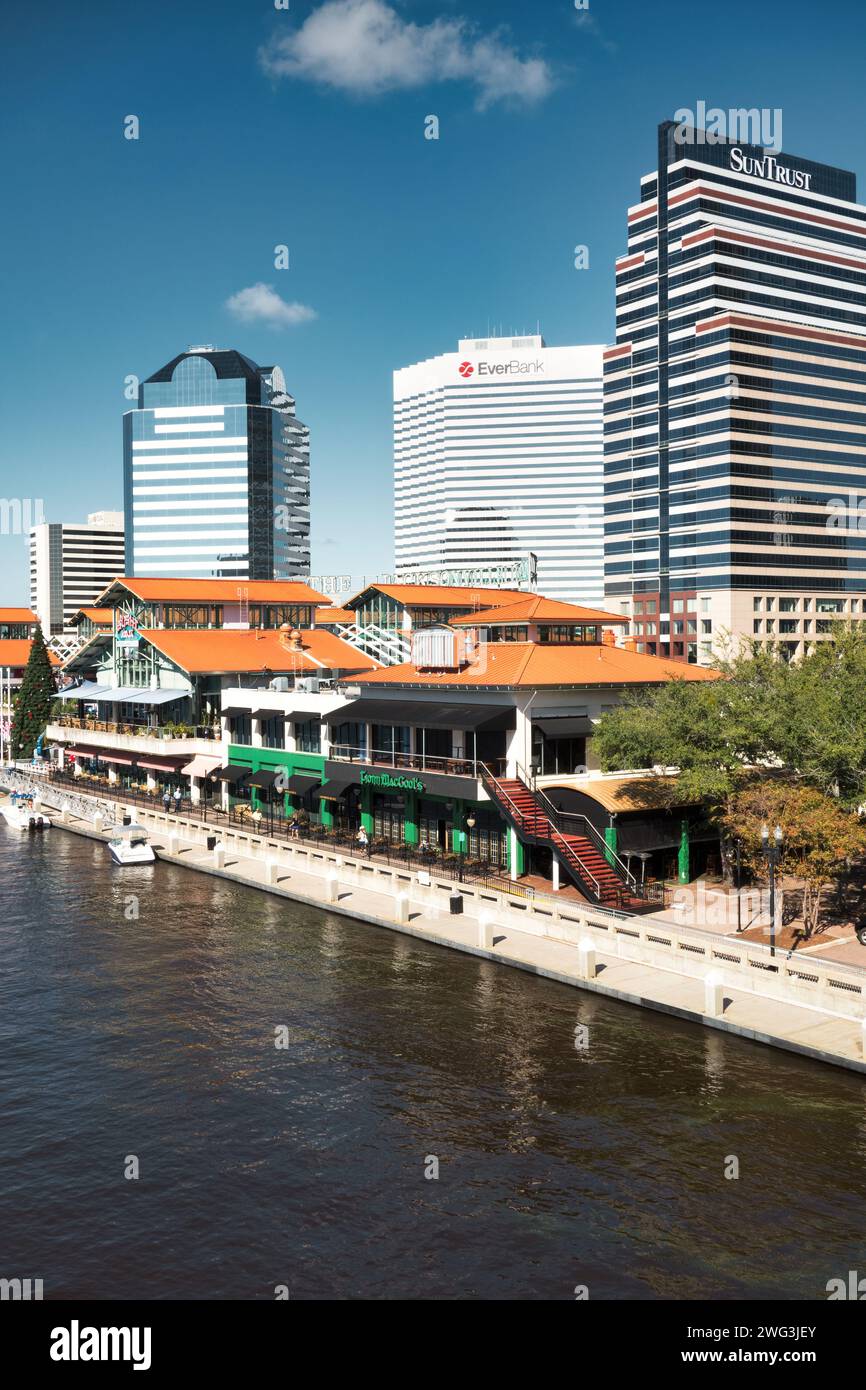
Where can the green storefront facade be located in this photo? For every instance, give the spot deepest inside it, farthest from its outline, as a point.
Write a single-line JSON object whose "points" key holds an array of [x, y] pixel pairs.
{"points": [[409, 808]]}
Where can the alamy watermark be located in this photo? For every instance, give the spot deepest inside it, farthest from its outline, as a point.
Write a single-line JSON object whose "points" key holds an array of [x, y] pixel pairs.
{"points": [[713, 126], [18, 515], [847, 514]]}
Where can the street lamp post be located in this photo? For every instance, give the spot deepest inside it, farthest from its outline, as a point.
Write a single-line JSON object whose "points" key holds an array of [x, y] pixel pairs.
{"points": [[772, 849], [470, 824], [739, 886]]}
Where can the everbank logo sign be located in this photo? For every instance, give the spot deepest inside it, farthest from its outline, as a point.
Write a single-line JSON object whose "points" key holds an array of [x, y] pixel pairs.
{"points": [[512, 368]]}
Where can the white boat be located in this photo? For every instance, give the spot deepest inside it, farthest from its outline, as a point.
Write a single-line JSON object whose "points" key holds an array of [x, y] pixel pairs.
{"points": [[21, 813], [129, 845]]}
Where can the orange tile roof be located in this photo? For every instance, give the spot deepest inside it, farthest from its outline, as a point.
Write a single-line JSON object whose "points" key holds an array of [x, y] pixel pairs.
{"points": [[102, 616], [15, 651], [333, 614], [455, 595], [532, 608], [530, 665], [218, 590], [228, 650], [17, 615]]}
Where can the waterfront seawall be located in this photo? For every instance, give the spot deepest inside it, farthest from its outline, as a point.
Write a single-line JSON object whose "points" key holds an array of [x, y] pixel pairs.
{"points": [[805, 1006]]}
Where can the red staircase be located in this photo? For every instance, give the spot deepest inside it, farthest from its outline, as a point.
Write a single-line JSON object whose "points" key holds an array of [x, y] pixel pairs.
{"points": [[584, 861]]}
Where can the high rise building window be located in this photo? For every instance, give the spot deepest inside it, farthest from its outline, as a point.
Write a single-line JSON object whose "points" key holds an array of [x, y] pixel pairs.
{"points": [[498, 457], [725, 275], [216, 472]]}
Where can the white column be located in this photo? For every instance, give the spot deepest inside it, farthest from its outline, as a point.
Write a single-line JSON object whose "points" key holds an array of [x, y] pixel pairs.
{"points": [[518, 747], [555, 874]]}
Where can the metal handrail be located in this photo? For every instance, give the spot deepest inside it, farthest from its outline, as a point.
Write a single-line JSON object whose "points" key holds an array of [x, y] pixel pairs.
{"points": [[556, 817], [593, 834], [40, 786], [567, 852], [414, 762]]}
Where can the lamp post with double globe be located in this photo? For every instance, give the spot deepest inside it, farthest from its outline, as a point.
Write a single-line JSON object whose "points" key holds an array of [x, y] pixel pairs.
{"points": [[464, 842], [772, 850]]}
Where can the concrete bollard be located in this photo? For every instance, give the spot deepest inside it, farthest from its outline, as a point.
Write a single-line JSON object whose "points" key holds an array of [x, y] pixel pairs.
{"points": [[271, 867], [484, 935], [219, 855], [64, 813], [98, 821], [401, 908], [713, 994], [173, 843], [587, 965], [332, 887]]}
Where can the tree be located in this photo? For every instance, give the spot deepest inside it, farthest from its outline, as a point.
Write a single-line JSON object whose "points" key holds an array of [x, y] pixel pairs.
{"points": [[823, 734], [713, 731], [761, 718], [819, 835], [33, 706]]}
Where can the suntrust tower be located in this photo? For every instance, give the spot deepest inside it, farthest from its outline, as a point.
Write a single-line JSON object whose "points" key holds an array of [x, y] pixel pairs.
{"points": [[735, 401]]}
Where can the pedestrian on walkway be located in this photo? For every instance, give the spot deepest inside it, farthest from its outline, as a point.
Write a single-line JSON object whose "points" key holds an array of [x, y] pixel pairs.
{"points": [[166, 800]]}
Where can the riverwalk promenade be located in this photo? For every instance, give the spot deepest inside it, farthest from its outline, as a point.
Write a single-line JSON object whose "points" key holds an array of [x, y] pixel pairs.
{"points": [[811, 1007]]}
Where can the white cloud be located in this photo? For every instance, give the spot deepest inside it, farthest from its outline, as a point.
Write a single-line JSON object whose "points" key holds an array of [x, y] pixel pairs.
{"points": [[366, 48], [587, 22], [261, 304]]}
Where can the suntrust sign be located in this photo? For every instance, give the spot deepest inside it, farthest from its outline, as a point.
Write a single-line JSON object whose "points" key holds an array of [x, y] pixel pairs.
{"points": [[768, 167], [514, 367]]}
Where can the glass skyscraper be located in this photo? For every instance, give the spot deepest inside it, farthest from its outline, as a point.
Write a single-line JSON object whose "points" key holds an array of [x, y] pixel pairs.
{"points": [[216, 472], [735, 413]]}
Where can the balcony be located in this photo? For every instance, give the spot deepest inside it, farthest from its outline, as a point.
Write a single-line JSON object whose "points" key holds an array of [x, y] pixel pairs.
{"points": [[411, 762], [138, 738]]}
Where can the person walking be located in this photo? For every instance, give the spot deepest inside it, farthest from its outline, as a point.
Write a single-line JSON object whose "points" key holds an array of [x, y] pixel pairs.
{"points": [[166, 800], [178, 800], [364, 840]]}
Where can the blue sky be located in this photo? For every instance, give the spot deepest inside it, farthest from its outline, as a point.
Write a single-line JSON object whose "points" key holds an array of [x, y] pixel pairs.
{"points": [[262, 126]]}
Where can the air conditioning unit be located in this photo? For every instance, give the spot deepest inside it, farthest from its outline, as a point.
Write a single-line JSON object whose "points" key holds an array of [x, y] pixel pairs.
{"points": [[308, 685], [279, 683]]}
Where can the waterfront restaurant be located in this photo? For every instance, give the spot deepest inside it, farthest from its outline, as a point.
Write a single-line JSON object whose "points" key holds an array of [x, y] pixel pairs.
{"points": [[454, 750], [211, 603], [142, 703], [17, 627], [17, 624], [407, 607]]}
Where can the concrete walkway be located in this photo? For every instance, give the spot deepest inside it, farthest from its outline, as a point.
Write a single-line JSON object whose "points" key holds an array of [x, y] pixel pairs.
{"points": [[355, 890]]}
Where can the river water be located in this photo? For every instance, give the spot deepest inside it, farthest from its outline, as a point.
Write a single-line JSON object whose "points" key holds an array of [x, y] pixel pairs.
{"points": [[151, 1039]]}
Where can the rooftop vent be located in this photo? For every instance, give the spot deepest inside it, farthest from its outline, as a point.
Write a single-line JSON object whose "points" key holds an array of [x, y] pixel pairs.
{"points": [[438, 649]]}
